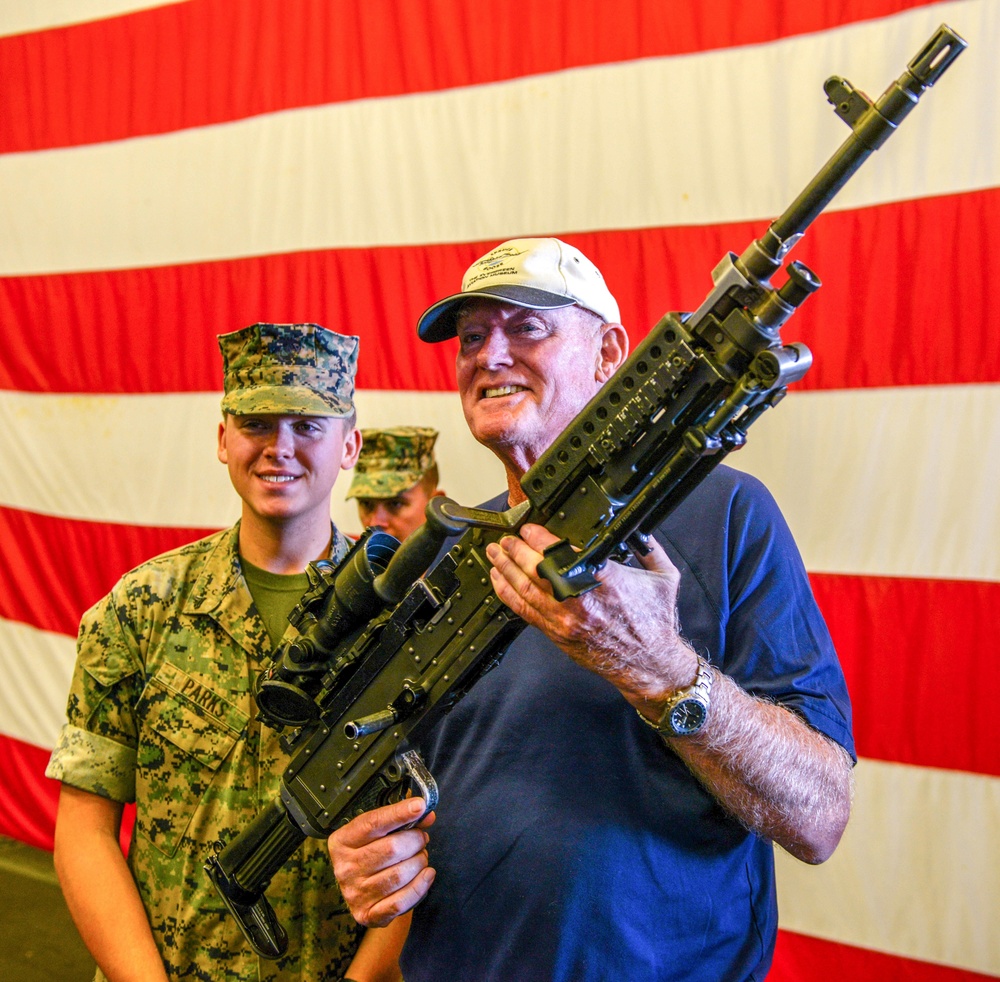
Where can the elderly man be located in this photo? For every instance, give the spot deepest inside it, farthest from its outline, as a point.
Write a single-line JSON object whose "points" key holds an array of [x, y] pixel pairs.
{"points": [[160, 710], [394, 478], [583, 831]]}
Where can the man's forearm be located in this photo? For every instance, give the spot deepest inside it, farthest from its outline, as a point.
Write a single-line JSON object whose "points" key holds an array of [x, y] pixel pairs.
{"points": [[101, 895], [771, 771], [765, 765]]}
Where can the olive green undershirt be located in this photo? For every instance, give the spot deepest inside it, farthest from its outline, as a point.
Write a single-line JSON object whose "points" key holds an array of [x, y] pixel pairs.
{"points": [[275, 596]]}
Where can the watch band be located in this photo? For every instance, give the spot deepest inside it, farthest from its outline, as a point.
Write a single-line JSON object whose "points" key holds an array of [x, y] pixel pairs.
{"points": [[687, 709]]}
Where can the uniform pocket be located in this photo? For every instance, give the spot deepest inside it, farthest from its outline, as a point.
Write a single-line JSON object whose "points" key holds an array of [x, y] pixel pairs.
{"points": [[187, 731]]}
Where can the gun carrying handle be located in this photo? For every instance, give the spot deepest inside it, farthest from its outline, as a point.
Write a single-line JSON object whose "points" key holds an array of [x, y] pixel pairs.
{"points": [[568, 571]]}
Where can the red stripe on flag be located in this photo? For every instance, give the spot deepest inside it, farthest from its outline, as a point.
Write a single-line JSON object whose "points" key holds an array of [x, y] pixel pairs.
{"points": [[53, 569], [904, 645], [931, 314], [127, 320], [800, 957], [209, 61], [29, 798]]}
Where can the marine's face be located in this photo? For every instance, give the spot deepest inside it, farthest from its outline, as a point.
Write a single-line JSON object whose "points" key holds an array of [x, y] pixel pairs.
{"points": [[524, 374], [284, 467], [400, 515]]}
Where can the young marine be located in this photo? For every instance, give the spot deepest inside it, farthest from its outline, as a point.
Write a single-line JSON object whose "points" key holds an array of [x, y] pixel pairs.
{"points": [[396, 475], [160, 710]]}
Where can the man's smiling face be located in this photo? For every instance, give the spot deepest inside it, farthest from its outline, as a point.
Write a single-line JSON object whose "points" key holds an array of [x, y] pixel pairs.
{"points": [[284, 467], [524, 374]]}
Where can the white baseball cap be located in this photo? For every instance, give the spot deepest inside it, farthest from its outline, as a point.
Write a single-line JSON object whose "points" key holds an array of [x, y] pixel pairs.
{"points": [[543, 274]]}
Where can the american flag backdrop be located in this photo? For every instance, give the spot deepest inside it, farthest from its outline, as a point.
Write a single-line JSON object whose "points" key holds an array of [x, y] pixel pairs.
{"points": [[170, 172]]}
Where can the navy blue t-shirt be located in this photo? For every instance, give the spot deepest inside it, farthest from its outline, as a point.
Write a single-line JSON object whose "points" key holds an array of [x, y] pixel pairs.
{"points": [[571, 844]]}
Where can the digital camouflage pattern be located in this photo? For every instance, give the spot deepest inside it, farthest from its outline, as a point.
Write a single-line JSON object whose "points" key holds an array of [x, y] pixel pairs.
{"points": [[392, 460], [160, 712], [300, 369]]}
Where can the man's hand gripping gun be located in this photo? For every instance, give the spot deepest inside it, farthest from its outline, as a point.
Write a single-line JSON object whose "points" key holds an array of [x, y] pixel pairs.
{"points": [[383, 654]]}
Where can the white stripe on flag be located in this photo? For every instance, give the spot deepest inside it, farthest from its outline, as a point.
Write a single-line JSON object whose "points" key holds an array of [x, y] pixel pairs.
{"points": [[21, 16], [888, 482], [41, 663], [638, 144], [151, 459], [893, 482], [916, 872]]}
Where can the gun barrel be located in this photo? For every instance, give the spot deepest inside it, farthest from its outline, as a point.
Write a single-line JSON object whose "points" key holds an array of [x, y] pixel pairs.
{"points": [[871, 125]]}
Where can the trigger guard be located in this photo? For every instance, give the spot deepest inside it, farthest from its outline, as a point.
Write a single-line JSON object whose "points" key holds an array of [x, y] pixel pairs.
{"points": [[420, 781], [566, 570]]}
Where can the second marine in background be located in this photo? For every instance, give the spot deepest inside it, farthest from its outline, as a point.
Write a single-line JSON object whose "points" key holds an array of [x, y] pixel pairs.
{"points": [[396, 475]]}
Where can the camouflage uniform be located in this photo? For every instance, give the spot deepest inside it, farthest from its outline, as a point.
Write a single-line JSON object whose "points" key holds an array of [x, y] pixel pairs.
{"points": [[392, 461], [160, 713]]}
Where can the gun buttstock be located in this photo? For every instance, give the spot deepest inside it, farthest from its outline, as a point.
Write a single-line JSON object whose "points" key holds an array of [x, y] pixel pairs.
{"points": [[257, 920]]}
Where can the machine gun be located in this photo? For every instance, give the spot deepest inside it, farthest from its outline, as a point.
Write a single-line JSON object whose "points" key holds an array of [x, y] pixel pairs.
{"points": [[384, 652]]}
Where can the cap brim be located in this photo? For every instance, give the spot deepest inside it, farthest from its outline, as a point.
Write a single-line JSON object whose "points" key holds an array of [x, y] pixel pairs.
{"points": [[382, 484], [295, 400], [438, 322]]}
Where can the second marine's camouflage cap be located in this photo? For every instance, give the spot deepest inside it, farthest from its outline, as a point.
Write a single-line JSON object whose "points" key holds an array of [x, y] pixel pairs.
{"points": [[302, 369], [392, 461]]}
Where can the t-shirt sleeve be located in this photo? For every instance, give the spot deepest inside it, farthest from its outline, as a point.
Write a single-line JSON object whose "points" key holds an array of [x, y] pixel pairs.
{"points": [[778, 645], [96, 749], [746, 602]]}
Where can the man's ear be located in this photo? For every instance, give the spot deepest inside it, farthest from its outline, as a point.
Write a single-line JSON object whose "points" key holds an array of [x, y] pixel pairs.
{"points": [[352, 449], [221, 452], [614, 350]]}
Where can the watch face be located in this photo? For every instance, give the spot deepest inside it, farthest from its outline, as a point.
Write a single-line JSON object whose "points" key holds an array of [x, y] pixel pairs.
{"points": [[688, 716]]}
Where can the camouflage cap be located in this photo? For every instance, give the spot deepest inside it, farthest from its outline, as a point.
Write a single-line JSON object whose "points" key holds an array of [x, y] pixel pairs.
{"points": [[302, 369], [392, 461]]}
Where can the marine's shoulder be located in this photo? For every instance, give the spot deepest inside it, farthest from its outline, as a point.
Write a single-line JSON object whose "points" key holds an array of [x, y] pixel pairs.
{"points": [[181, 557], [174, 574]]}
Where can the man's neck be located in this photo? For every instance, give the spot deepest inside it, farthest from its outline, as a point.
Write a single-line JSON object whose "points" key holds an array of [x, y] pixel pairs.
{"points": [[515, 493], [516, 462], [280, 548]]}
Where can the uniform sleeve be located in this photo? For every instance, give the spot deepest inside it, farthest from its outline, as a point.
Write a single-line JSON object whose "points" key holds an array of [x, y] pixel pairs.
{"points": [[96, 750]]}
